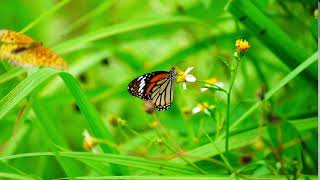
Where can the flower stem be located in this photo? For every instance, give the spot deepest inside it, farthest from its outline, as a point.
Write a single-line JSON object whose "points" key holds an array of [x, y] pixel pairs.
{"points": [[228, 103]]}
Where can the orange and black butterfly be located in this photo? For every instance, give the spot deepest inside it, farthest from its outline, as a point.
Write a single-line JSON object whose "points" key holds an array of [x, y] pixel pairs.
{"points": [[156, 87], [23, 51]]}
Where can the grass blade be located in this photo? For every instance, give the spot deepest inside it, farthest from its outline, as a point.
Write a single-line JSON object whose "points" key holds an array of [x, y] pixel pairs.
{"points": [[45, 15], [23, 89], [80, 41], [11, 74], [312, 59], [239, 140], [131, 161]]}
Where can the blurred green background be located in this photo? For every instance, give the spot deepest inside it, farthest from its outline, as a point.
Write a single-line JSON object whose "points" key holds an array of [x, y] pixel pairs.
{"points": [[109, 43]]}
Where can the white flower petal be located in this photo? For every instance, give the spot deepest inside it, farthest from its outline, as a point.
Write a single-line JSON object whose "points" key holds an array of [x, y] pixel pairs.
{"points": [[85, 133], [188, 70], [184, 86], [190, 78], [220, 84], [196, 110], [203, 89], [207, 112]]}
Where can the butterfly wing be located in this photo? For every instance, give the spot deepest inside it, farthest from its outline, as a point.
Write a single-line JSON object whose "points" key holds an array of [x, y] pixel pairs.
{"points": [[162, 94], [140, 87], [156, 87]]}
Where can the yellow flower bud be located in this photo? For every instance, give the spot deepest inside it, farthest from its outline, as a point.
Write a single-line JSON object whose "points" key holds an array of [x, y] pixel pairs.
{"points": [[242, 45]]}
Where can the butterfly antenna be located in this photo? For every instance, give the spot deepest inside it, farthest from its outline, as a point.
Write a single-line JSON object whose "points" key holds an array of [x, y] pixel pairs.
{"points": [[176, 64]]}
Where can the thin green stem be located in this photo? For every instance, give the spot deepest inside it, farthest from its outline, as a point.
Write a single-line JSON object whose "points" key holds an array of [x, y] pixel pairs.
{"points": [[225, 160], [177, 153], [229, 101]]}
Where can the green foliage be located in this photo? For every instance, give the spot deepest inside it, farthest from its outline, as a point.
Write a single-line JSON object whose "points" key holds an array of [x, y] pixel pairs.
{"points": [[272, 108]]}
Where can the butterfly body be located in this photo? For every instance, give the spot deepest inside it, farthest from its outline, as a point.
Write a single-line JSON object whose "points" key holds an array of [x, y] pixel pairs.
{"points": [[156, 87]]}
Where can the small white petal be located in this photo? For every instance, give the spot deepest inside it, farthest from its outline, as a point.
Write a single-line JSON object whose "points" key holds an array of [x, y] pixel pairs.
{"points": [[196, 110], [188, 70], [184, 86], [190, 78], [203, 89], [207, 112], [85, 133], [220, 84]]}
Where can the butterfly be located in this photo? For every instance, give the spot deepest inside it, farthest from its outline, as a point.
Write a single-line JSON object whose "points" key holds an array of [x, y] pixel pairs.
{"points": [[156, 87], [23, 51]]}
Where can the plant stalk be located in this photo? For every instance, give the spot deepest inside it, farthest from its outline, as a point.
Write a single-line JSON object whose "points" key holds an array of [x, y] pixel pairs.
{"points": [[228, 102]]}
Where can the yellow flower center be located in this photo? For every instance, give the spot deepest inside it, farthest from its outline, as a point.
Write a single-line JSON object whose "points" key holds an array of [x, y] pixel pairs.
{"points": [[181, 76], [212, 81], [242, 45], [203, 106]]}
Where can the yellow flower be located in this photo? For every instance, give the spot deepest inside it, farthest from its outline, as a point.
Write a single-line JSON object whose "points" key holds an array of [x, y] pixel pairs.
{"points": [[213, 81], [242, 45], [23, 51], [185, 77], [201, 107], [88, 141]]}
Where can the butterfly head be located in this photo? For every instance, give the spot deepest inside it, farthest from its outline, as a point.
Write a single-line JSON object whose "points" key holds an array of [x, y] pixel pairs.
{"points": [[172, 73]]}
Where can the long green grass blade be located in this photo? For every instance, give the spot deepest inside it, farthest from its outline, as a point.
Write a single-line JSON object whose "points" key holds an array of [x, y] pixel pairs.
{"points": [[54, 139], [239, 140], [23, 89], [45, 15], [10, 75], [80, 41], [303, 66], [208, 177], [16, 176], [154, 166]]}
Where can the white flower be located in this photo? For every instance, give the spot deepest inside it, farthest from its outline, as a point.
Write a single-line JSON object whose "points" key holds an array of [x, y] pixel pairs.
{"points": [[201, 107], [213, 81], [185, 77], [88, 140]]}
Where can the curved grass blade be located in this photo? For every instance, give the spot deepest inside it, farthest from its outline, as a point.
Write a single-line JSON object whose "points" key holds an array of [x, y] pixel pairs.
{"points": [[312, 59], [77, 42], [185, 52], [11, 74], [16, 176], [22, 90], [239, 140], [45, 15], [154, 166], [207, 177]]}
